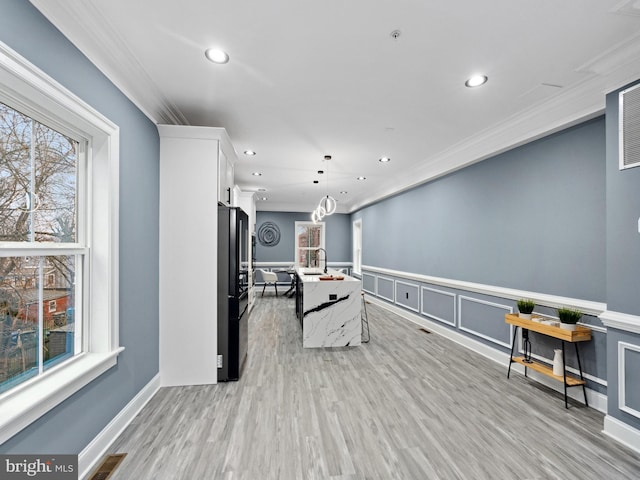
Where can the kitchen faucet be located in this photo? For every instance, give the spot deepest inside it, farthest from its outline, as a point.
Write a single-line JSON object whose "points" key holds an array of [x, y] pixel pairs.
{"points": [[325, 258]]}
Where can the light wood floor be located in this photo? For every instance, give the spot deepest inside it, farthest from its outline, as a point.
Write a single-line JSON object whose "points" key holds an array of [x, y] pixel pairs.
{"points": [[409, 405]]}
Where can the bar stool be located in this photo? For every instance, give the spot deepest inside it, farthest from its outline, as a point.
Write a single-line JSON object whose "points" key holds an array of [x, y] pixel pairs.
{"points": [[365, 321]]}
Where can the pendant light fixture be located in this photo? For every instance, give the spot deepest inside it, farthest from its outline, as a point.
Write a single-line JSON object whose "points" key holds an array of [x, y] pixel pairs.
{"points": [[328, 204]]}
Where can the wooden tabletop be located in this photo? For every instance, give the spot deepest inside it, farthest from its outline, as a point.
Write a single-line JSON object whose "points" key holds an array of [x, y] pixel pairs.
{"points": [[580, 334]]}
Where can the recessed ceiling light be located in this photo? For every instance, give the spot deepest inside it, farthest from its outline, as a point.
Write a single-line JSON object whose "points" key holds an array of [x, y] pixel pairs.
{"points": [[251, 153], [256, 174], [343, 192], [476, 81], [262, 189], [361, 178], [216, 55], [316, 181], [384, 159], [264, 198]]}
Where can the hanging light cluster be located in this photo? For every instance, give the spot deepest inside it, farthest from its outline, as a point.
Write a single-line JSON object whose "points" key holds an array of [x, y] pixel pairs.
{"points": [[327, 205]]}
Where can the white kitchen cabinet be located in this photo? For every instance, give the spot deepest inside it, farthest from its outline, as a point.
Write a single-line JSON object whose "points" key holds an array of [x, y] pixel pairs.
{"points": [[190, 159], [226, 180]]}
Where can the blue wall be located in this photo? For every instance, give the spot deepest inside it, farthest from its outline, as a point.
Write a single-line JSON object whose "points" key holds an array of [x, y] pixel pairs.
{"points": [[623, 210], [532, 218], [623, 266], [69, 427], [337, 236]]}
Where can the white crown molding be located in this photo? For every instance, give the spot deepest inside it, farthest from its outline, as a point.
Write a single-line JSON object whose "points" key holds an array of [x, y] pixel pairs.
{"points": [[587, 306], [100, 41], [621, 321], [607, 62]]}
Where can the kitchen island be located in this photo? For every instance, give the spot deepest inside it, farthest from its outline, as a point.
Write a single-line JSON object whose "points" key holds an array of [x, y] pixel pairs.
{"points": [[328, 309]]}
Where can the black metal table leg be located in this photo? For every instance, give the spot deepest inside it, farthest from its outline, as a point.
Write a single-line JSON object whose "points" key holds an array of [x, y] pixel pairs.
{"points": [[513, 344], [584, 389], [564, 372]]}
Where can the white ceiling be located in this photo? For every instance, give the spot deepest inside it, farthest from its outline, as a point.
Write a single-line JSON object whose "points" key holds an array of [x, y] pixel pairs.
{"points": [[314, 78]]}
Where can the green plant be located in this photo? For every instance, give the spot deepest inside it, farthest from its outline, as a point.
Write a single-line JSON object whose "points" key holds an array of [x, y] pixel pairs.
{"points": [[569, 315], [525, 305]]}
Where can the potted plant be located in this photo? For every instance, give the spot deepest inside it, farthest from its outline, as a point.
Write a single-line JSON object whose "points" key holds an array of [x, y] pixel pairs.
{"points": [[525, 307], [569, 317]]}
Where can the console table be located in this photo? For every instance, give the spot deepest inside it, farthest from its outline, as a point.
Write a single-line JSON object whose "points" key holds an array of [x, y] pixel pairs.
{"points": [[580, 334]]}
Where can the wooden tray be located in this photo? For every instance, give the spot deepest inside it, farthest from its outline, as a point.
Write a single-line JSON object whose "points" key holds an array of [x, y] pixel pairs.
{"points": [[328, 277]]}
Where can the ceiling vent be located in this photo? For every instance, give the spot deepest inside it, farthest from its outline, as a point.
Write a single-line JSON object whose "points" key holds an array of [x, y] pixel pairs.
{"points": [[630, 127]]}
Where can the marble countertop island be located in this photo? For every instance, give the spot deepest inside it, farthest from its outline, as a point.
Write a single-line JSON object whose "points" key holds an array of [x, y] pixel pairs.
{"points": [[329, 310]]}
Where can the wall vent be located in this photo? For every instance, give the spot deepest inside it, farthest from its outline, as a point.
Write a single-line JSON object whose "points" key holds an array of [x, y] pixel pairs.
{"points": [[629, 128]]}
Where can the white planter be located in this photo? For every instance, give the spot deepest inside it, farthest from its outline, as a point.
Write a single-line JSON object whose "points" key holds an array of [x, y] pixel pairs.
{"points": [[526, 316], [558, 365], [568, 326]]}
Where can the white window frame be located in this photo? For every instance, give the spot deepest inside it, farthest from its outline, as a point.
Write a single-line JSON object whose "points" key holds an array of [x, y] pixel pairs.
{"points": [[30, 90], [52, 306], [356, 237], [307, 224]]}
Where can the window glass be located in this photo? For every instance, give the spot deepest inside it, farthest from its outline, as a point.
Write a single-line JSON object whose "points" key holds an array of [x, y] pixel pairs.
{"points": [[38, 181], [37, 328], [309, 238], [38, 206]]}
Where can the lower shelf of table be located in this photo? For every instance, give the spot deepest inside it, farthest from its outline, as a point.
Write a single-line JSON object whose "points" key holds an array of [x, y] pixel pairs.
{"points": [[548, 371]]}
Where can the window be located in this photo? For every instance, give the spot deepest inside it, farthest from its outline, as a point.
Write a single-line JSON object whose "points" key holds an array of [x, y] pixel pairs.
{"points": [[39, 170], [309, 238], [356, 235], [58, 243]]}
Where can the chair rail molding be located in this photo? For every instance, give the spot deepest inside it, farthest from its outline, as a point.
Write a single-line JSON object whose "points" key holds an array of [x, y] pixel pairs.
{"points": [[621, 321], [588, 307]]}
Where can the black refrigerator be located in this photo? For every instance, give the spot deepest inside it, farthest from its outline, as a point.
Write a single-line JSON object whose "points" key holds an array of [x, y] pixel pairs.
{"points": [[233, 291]]}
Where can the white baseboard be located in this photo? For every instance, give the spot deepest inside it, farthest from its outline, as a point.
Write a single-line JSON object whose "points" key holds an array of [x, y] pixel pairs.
{"points": [[92, 453], [596, 400], [622, 433]]}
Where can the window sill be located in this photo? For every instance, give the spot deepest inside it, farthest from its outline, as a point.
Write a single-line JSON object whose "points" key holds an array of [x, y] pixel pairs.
{"points": [[26, 403]]}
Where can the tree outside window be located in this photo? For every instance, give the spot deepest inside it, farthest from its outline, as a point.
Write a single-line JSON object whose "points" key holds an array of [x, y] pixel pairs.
{"points": [[38, 207]]}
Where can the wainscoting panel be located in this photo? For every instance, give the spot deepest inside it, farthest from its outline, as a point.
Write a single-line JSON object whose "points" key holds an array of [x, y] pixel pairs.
{"points": [[628, 385], [476, 312], [369, 283], [439, 305], [385, 288], [485, 319], [407, 295]]}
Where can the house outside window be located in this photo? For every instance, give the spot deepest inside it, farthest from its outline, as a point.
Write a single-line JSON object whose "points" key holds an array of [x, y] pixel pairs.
{"points": [[309, 237]]}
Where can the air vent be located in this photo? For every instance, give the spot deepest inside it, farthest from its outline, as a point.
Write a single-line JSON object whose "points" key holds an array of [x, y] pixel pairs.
{"points": [[630, 127], [107, 467]]}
